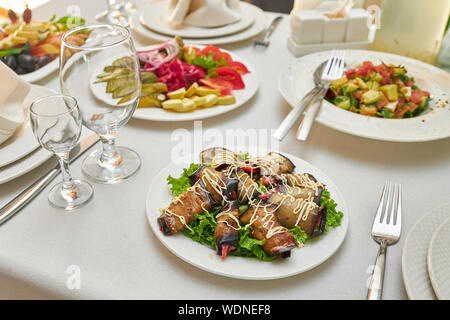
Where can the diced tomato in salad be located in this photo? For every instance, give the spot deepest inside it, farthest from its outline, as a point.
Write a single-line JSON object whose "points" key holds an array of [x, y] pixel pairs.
{"points": [[383, 90]]}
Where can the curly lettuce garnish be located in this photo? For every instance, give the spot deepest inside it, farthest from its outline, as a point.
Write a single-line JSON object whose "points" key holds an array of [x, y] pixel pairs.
{"points": [[204, 225]]}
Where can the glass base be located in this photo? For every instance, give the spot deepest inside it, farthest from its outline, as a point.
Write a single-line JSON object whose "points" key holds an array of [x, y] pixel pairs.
{"points": [[77, 197], [129, 165]]}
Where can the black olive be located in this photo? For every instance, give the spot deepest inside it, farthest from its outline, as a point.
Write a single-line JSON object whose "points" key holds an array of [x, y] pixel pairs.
{"points": [[20, 70], [27, 49], [42, 61], [27, 62], [11, 62]]}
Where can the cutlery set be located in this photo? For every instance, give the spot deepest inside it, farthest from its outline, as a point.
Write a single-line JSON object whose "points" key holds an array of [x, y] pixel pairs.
{"points": [[330, 70]]}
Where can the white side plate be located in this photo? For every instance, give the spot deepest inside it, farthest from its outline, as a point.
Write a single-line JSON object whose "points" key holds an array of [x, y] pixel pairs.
{"points": [[439, 261], [23, 141], [414, 254], [153, 17], [154, 37]]}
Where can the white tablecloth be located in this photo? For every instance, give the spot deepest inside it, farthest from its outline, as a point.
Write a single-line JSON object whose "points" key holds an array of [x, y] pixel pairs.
{"points": [[119, 257]]}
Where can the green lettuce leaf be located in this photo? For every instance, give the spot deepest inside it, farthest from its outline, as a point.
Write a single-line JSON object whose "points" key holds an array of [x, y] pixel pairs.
{"points": [[181, 184]]}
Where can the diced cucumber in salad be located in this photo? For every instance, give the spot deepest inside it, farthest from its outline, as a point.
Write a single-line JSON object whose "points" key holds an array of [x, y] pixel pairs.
{"points": [[383, 91]]}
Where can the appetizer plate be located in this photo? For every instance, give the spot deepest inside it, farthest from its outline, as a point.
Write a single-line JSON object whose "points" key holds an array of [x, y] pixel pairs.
{"points": [[414, 255], [439, 261], [296, 79], [205, 258], [242, 96], [42, 72], [23, 142], [256, 28], [154, 17]]}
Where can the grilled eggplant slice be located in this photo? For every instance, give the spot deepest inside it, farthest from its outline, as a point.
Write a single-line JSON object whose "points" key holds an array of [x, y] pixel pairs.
{"points": [[219, 158], [274, 163], [299, 211], [182, 209], [226, 235], [305, 181], [247, 188], [265, 225]]}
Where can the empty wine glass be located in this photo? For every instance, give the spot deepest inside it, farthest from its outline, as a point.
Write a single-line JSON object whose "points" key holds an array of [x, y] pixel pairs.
{"points": [[86, 68], [56, 124]]}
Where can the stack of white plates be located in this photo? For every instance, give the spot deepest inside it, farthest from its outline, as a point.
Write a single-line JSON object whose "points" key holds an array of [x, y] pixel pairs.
{"points": [[426, 257], [21, 152], [150, 22]]}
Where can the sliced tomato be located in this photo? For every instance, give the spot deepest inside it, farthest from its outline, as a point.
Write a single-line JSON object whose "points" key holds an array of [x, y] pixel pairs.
{"points": [[224, 86], [218, 54], [232, 76], [206, 50], [239, 67]]}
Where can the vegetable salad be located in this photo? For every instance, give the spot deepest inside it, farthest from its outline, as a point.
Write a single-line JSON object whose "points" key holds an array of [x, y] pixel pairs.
{"points": [[383, 91]]}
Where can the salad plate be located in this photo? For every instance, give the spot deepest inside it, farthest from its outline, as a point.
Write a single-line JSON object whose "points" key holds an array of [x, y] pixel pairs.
{"points": [[313, 253], [296, 79], [23, 142], [439, 261], [153, 18], [414, 254], [253, 30], [242, 96]]}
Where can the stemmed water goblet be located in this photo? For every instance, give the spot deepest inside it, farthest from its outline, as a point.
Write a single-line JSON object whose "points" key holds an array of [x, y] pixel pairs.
{"points": [[107, 47], [56, 124]]}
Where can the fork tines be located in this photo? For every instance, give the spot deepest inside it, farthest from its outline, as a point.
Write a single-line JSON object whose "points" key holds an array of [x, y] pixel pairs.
{"points": [[388, 219]]}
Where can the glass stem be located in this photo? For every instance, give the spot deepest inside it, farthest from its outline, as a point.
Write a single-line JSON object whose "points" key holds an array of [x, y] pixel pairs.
{"points": [[68, 191], [110, 157]]}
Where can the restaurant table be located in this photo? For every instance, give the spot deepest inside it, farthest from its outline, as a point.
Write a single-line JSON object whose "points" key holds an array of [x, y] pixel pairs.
{"points": [[116, 254]]}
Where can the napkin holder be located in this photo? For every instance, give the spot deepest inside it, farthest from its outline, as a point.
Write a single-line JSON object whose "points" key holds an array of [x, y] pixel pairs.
{"points": [[312, 31]]}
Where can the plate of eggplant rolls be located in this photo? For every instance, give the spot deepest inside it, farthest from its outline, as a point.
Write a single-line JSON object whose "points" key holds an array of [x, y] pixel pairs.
{"points": [[258, 216]]}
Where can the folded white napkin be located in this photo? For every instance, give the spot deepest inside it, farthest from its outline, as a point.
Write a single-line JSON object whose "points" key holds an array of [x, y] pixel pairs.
{"points": [[13, 91], [203, 13]]}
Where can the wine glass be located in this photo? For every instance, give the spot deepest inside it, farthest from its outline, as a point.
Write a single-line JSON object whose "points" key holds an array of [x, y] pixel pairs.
{"points": [[107, 52], [56, 124]]}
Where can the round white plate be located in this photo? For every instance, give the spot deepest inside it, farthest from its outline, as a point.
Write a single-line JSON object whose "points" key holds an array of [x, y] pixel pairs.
{"points": [[414, 254], [242, 96], [439, 261], [296, 79], [301, 260], [23, 142], [30, 162], [153, 16], [42, 72], [256, 28]]}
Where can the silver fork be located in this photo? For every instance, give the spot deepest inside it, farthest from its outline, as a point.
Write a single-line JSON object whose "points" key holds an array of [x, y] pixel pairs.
{"points": [[333, 70], [265, 38], [322, 77], [386, 230]]}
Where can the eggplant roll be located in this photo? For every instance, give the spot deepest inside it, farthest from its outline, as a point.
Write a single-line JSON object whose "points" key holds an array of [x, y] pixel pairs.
{"points": [[182, 209], [304, 181], [226, 235], [265, 225], [274, 164], [217, 183], [219, 158], [301, 193], [293, 211], [247, 188]]}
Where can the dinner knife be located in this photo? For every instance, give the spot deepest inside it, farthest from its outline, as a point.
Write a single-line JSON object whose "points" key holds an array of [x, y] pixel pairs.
{"points": [[23, 198]]}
